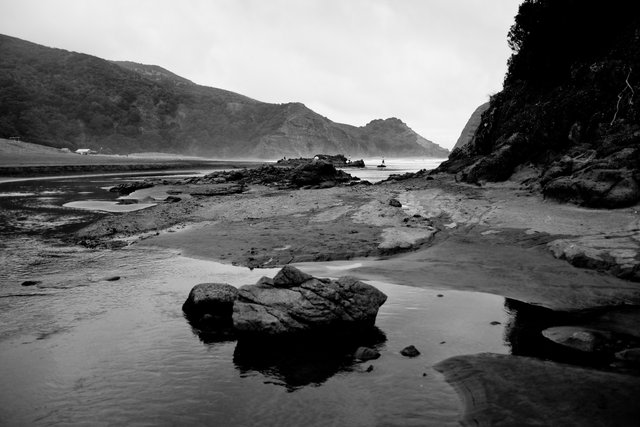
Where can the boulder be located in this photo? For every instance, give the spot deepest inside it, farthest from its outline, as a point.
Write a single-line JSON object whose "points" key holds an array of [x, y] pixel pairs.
{"points": [[210, 300], [311, 305], [395, 203]]}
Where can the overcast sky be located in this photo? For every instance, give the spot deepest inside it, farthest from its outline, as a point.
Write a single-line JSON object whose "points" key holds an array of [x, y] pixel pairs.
{"points": [[427, 62]]}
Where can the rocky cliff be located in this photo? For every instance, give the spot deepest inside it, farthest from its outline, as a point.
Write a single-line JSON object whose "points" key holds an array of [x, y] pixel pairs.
{"points": [[469, 130], [568, 114], [66, 99]]}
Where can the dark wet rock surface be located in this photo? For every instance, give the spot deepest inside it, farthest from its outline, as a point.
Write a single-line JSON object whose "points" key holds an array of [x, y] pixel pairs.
{"points": [[504, 390], [309, 306]]}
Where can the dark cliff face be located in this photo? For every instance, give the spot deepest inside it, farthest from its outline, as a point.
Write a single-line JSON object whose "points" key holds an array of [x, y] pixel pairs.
{"points": [[569, 111], [65, 99]]}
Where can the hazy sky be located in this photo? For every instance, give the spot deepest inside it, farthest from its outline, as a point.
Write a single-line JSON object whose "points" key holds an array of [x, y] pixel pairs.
{"points": [[427, 62]]}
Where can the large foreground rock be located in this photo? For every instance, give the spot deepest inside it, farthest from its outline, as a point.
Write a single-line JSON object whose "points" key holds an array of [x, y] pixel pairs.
{"points": [[310, 305]]}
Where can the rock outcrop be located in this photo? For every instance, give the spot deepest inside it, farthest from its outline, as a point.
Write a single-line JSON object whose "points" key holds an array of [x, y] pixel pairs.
{"points": [[469, 130], [305, 305], [314, 174]]}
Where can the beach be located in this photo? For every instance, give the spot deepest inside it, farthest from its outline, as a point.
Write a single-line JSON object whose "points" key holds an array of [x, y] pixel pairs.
{"points": [[435, 235]]}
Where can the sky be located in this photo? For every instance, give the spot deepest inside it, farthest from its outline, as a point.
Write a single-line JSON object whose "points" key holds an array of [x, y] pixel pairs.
{"points": [[429, 63]]}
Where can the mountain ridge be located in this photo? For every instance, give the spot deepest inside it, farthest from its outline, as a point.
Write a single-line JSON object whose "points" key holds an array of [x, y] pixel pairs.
{"points": [[67, 99]]}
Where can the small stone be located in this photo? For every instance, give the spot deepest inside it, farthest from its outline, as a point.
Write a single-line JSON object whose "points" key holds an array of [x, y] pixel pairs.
{"points": [[443, 342], [111, 278], [495, 322], [395, 203], [410, 351], [439, 295], [366, 353], [31, 282], [172, 199], [370, 368]]}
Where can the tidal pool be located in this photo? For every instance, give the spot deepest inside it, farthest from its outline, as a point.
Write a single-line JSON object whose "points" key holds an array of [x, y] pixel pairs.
{"points": [[77, 349]]}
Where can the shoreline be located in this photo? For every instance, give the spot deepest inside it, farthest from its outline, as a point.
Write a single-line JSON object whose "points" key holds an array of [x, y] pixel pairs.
{"points": [[438, 234], [133, 166]]}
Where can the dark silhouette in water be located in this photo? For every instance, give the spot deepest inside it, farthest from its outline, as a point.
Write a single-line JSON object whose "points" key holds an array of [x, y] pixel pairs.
{"points": [[296, 363]]}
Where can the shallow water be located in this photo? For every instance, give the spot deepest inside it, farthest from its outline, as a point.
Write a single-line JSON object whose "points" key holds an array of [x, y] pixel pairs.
{"points": [[78, 349], [372, 173], [82, 350]]}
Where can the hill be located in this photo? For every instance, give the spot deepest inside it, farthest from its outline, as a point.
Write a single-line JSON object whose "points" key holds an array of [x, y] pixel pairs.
{"points": [[67, 99], [568, 116]]}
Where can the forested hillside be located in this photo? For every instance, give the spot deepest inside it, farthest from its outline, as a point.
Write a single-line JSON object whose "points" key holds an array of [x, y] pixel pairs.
{"points": [[569, 113], [67, 99]]}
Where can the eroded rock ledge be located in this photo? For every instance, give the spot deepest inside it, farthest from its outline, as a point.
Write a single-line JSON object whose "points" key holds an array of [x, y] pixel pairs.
{"points": [[503, 390]]}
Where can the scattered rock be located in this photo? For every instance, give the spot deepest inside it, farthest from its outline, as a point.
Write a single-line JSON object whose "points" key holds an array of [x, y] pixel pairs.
{"points": [[366, 353], [172, 199], [127, 201], [494, 323], [111, 278], [410, 351], [395, 203], [31, 282], [311, 305], [369, 368]]}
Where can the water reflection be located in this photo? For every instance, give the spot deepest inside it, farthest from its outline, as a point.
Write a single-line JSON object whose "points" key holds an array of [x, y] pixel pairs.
{"points": [[523, 333], [297, 363]]}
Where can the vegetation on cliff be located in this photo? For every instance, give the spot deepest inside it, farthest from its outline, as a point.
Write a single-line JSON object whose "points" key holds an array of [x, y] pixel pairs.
{"points": [[67, 99], [569, 108]]}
